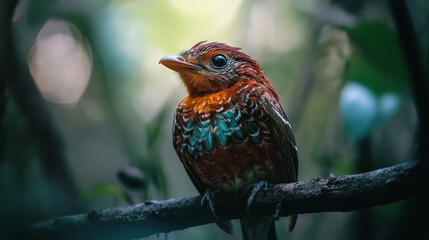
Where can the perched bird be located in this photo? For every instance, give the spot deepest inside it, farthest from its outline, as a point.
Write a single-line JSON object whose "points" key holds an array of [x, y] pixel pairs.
{"points": [[231, 131]]}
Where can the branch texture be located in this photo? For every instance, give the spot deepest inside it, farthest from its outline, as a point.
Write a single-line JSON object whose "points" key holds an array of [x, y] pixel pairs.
{"points": [[344, 193]]}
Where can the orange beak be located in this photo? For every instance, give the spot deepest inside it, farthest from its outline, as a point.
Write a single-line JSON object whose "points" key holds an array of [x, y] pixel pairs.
{"points": [[176, 63]]}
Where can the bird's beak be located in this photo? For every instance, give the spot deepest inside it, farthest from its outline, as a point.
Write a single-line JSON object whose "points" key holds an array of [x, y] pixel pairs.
{"points": [[176, 63]]}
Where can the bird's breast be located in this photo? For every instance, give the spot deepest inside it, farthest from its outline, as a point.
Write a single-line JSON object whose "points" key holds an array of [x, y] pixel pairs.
{"points": [[225, 138], [219, 120]]}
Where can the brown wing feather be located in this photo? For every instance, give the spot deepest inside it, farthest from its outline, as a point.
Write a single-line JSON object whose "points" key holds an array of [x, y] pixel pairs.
{"points": [[283, 135], [285, 141]]}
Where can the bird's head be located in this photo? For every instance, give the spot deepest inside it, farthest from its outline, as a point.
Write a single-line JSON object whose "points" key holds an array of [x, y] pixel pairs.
{"points": [[212, 67]]}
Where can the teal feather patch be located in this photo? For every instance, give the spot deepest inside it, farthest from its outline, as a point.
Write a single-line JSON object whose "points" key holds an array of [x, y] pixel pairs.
{"points": [[189, 123], [231, 123], [201, 136], [252, 126], [203, 124], [200, 148], [239, 134], [223, 127], [221, 138], [208, 143], [220, 117], [200, 133], [192, 142], [190, 150], [230, 113]]}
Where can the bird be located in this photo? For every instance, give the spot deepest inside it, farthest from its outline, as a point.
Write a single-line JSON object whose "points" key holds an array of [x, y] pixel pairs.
{"points": [[231, 131]]}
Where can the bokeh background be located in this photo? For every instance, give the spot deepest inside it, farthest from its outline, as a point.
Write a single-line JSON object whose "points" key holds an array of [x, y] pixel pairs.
{"points": [[87, 116]]}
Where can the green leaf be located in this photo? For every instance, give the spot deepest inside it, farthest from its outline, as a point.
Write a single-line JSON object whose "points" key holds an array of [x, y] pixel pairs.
{"points": [[361, 70], [105, 190], [377, 61], [378, 42]]}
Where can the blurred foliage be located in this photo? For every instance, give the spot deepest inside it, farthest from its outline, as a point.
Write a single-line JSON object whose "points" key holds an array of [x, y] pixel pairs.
{"points": [[337, 65], [146, 170], [153, 165], [378, 69], [106, 190], [377, 61]]}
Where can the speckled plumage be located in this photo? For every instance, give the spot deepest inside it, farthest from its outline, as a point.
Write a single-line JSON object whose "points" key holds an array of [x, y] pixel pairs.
{"points": [[231, 131], [226, 139]]}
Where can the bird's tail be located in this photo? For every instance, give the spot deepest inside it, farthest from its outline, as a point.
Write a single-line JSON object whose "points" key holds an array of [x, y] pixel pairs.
{"points": [[292, 222], [226, 226], [258, 228]]}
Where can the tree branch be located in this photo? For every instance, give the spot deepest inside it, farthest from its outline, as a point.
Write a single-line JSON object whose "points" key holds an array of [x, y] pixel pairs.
{"points": [[345, 193]]}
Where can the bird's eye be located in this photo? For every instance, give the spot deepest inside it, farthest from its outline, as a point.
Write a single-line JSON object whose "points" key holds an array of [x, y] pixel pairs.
{"points": [[219, 60]]}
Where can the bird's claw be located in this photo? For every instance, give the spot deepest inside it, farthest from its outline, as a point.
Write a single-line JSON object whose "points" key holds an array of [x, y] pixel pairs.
{"points": [[208, 197], [255, 189], [276, 215]]}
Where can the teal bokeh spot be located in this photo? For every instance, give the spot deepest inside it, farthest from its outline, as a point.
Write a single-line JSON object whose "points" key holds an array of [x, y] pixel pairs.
{"points": [[358, 108]]}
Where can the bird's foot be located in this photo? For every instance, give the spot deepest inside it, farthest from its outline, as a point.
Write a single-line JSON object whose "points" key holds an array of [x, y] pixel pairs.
{"points": [[208, 198], [276, 214], [255, 189]]}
